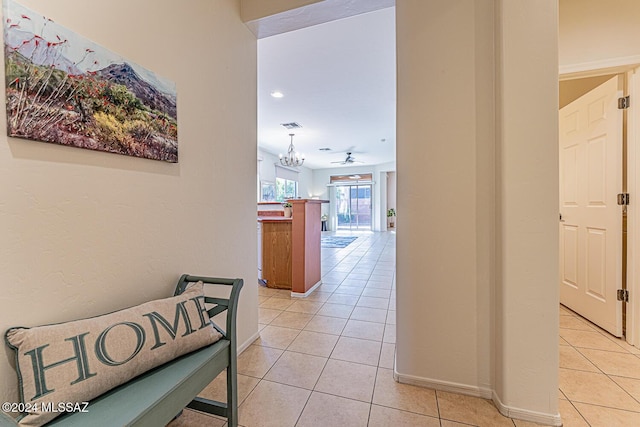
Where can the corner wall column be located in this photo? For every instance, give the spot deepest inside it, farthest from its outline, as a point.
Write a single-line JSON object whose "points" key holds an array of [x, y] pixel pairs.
{"points": [[526, 297]]}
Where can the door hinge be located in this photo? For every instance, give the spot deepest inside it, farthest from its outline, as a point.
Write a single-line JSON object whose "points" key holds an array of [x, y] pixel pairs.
{"points": [[623, 295], [623, 199], [623, 103]]}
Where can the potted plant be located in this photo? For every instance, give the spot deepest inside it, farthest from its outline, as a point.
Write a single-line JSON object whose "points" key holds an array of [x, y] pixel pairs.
{"points": [[391, 214], [288, 209]]}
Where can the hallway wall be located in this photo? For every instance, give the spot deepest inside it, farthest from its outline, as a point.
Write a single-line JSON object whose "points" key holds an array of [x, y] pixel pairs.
{"points": [[526, 302], [87, 232], [438, 260], [595, 31], [477, 271]]}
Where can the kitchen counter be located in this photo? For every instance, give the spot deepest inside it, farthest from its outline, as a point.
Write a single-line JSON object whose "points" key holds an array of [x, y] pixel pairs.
{"points": [[289, 248]]}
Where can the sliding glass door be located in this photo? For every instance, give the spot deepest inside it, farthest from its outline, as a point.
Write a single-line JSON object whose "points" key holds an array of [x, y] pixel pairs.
{"points": [[353, 207]]}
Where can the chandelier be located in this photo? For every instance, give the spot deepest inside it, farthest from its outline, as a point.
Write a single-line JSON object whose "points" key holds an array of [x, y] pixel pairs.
{"points": [[292, 158]]}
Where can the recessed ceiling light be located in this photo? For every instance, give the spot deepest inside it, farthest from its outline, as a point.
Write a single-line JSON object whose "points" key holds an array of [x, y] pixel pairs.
{"points": [[277, 94], [291, 125]]}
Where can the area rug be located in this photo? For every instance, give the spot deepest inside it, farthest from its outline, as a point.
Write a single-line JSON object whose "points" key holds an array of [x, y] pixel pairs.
{"points": [[337, 241]]}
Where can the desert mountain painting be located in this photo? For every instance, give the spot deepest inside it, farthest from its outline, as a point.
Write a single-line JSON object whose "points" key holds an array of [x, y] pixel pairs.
{"points": [[65, 89]]}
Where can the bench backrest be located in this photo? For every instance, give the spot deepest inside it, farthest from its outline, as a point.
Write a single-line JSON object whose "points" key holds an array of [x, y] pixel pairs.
{"points": [[221, 304]]}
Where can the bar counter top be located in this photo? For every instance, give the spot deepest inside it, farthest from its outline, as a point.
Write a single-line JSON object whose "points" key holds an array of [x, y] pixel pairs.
{"points": [[274, 218]]}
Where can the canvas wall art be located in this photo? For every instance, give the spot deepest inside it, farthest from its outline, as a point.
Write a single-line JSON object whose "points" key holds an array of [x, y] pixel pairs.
{"points": [[65, 89]]}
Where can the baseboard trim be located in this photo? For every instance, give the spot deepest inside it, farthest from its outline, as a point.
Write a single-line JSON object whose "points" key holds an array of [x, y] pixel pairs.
{"points": [[248, 342], [485, 393], [525, 414], [306, 294], [447, 386]]}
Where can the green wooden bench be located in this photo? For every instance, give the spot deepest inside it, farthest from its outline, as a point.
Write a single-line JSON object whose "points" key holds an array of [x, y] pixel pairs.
{"points": [[154, 398]]}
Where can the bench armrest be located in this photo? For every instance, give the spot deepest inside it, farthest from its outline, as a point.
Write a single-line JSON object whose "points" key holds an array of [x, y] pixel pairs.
{"points": [[231, 303]]}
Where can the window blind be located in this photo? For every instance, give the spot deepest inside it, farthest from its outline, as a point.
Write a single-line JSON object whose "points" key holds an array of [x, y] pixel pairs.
{"points": [[286, 173]]}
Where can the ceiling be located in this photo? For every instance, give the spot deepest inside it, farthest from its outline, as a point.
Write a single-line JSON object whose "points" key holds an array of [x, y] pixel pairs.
{"points": [[339, 83]]}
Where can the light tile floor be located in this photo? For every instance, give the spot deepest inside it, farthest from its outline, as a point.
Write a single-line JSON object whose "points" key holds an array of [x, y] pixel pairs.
{"points": [[327, 360], [599, 376]]}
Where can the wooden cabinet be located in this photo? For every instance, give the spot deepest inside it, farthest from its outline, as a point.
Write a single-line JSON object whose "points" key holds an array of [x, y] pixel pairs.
{"points": [[306, 237], [259, 250], [276, 253], [289, 248]]}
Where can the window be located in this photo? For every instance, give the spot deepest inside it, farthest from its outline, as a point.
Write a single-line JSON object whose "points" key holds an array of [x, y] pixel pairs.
{"points": [[353, 203], [286, 189], [286, 183], [353, 206]]}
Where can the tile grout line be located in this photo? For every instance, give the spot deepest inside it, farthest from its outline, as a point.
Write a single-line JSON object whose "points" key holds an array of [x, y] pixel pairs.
{"points": [[578, 411], [349, 318], [572, 401], [311, 393], [568, 398]]}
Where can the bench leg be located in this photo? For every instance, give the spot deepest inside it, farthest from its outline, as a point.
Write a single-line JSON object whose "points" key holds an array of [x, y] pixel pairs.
{"points": [[232, 391]]}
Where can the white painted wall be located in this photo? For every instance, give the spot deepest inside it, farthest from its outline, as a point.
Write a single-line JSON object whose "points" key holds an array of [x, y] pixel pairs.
{"points": [[437, 285], [391, 194], [305, 183], [256, 9], [477, 267], [321, 177], [382, 192], [267, 172], [391, 190], [598, 32], [526, 305], [85, 232]]}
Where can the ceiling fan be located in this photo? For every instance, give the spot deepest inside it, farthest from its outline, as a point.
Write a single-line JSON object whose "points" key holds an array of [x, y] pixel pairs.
{"points": [[348, 160]]}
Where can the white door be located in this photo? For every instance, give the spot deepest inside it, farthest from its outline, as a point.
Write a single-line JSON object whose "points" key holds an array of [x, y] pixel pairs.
{"points": [[591, 220]]}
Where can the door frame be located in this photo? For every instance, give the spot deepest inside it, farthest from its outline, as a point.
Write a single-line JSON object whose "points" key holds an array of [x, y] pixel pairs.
{"points": [[356, 184], [633, 210], [630, 67], [333, 220]]}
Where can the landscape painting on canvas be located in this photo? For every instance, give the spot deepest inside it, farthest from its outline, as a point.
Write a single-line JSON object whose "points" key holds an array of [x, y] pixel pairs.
{"points": [[64, 89]]}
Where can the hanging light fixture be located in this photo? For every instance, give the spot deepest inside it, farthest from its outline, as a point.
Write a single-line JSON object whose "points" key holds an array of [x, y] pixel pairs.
{"points": [[292, 158]]}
